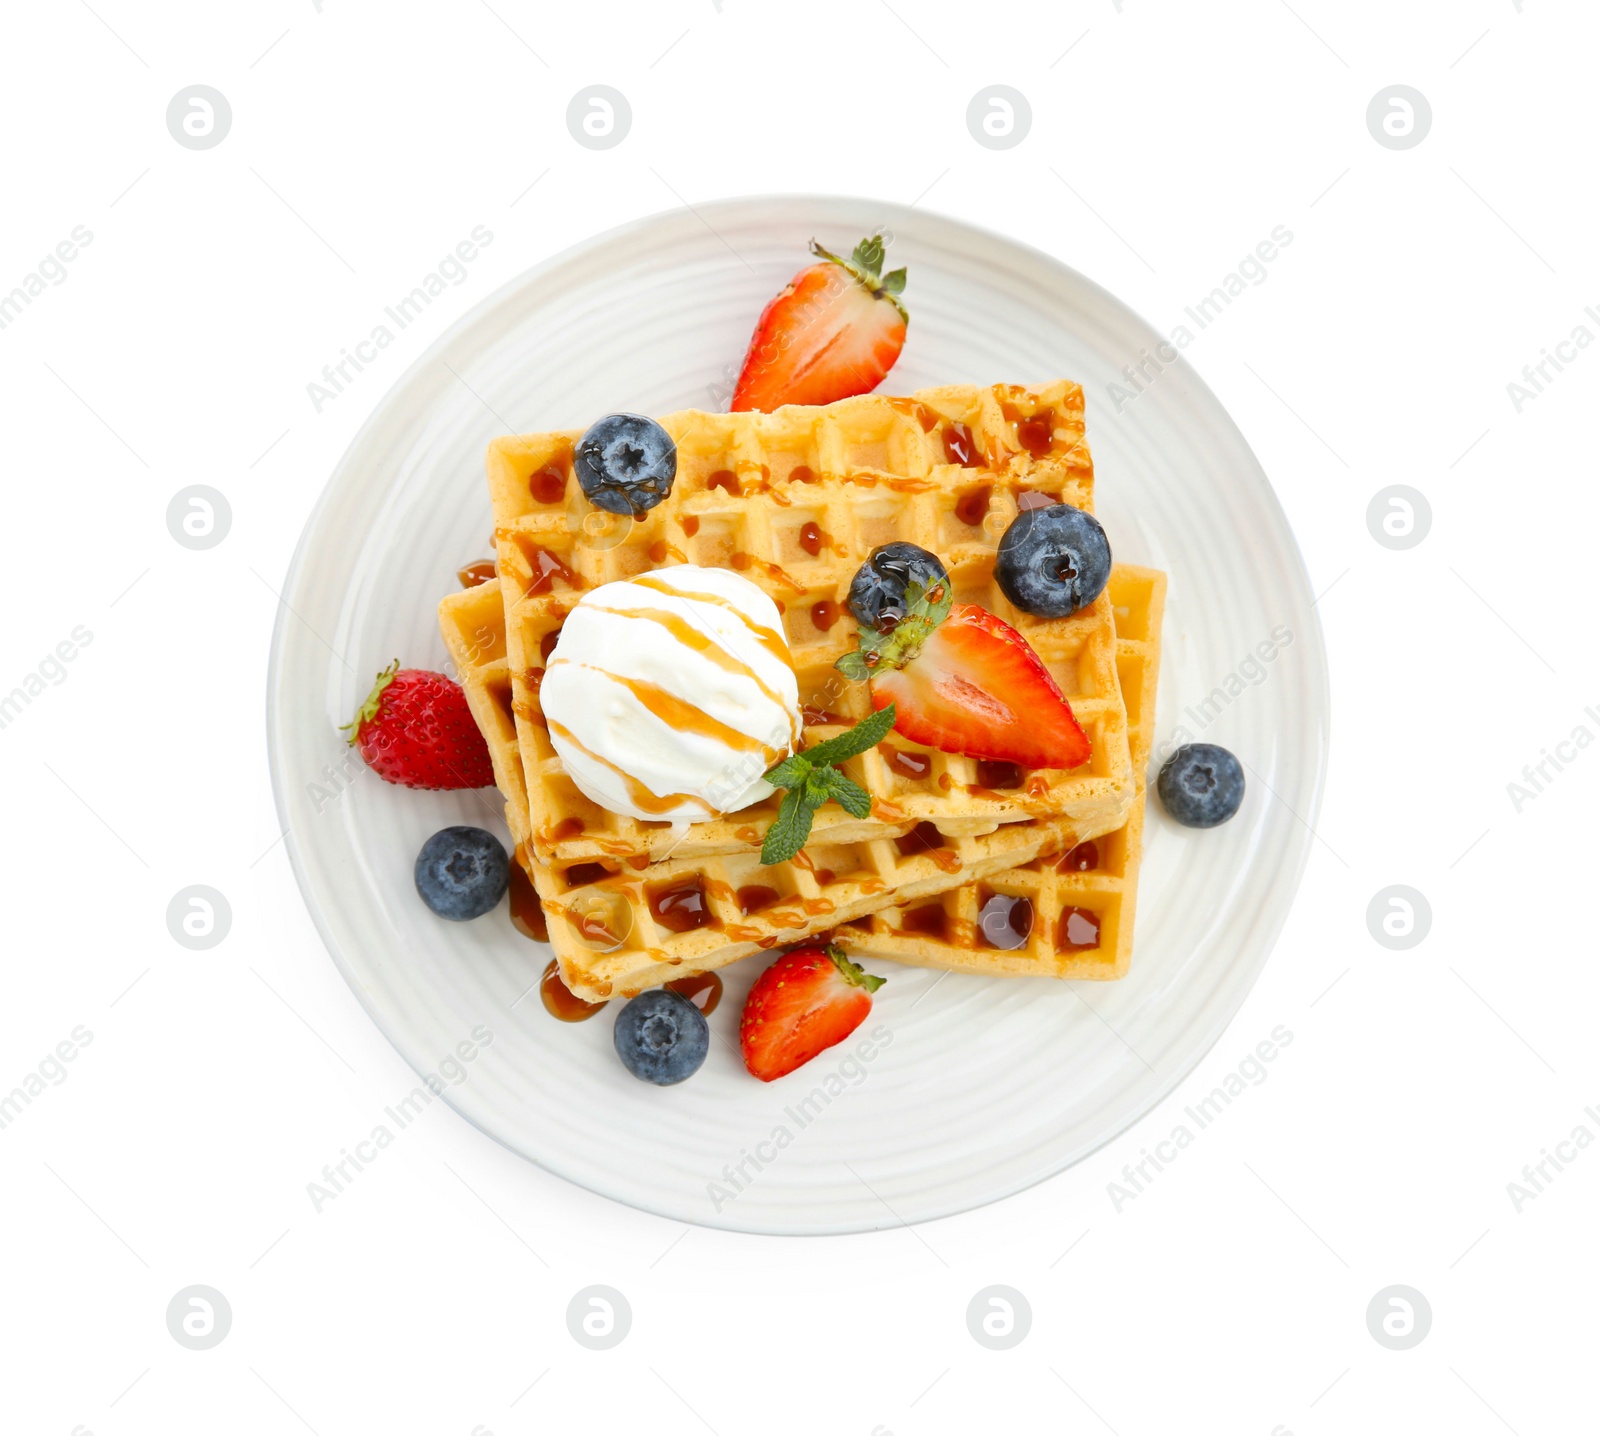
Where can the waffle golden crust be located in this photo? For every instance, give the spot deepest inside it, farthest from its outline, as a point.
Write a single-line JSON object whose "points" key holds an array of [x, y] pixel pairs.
{"points": [[795, 501], [1075, 924], [619, 926], [617, 934], [473, 623]]}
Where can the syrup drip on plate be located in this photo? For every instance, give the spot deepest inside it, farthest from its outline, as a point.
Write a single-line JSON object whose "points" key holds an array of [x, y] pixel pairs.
{"points": [[527, 916], [704, 989], [560, 1001]]}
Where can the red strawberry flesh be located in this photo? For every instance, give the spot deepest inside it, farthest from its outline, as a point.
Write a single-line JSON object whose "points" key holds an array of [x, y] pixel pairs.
{"points": [[834, 331], [809, 1000], [415, 729], [977, 687]]}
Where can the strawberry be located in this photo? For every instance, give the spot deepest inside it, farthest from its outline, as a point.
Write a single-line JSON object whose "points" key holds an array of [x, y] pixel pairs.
{"points": [[810, 999], [834, 331], [963, 681], [415, 729]]}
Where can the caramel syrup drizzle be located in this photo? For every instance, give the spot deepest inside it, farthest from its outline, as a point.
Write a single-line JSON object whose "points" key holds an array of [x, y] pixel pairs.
{"points": [[705, 645], [678, 714], [768, 638], [642, 796]]}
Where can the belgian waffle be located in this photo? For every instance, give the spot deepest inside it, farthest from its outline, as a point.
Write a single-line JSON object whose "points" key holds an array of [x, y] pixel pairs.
{"points": [[795, 501], [1068, 916], [473, 623], [619, 926]]}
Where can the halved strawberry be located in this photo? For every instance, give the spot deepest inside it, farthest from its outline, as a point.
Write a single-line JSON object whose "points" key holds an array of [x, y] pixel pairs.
{"points": [[415, 729], [964, 681], [809, 1000], [834, 331]]}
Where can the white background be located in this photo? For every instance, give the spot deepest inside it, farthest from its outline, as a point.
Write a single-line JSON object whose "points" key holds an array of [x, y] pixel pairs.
{"points": [[1168, 139]]}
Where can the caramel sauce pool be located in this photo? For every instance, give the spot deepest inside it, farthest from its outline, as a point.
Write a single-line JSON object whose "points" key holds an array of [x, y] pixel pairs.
{"points": [[560, 1001]]}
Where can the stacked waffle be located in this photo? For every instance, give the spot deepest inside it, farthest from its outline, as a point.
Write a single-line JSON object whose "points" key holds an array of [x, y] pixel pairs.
{"points": [[795, 501], [1065, 914]]}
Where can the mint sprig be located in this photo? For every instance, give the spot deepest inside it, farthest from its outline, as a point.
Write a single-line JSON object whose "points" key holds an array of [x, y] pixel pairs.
{"points": [[926, 609], [812, 779]]}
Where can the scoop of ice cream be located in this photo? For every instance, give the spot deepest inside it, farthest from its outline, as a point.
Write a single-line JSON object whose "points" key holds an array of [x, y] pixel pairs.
{"points": [[670, 694]]}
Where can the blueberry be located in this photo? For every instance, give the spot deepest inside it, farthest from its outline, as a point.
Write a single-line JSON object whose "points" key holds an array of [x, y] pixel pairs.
{"points": [[461, 872], [1053, 561], [626, 463], [878, 591], [1201, 785], [661, 1037]]}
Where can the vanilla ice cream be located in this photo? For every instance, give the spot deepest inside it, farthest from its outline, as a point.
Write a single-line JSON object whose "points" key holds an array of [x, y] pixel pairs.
{"points": [[670, 694]]}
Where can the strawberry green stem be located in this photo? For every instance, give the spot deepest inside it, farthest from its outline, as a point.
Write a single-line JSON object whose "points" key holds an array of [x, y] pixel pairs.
{"points": [[369, 709], [851, 973], [880, 652], [864, 266]]}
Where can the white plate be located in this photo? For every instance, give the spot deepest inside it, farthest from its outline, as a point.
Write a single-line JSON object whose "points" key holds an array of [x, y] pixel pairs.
{"points": [[976, 1088]]}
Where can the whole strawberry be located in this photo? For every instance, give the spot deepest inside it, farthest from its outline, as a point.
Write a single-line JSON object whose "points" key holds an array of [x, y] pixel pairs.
{"points": [[810, 999], [415, 729]]}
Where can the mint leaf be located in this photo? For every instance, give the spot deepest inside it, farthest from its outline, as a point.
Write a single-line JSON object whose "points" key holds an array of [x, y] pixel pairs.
{"points": [[790, 829], [791, 772], [815, 789], [868, 733], [812, 780], [848, 794]]}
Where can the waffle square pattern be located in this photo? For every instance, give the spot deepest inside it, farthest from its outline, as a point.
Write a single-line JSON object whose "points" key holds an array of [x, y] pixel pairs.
{"points": [[794, 501], [1065, 915]]}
